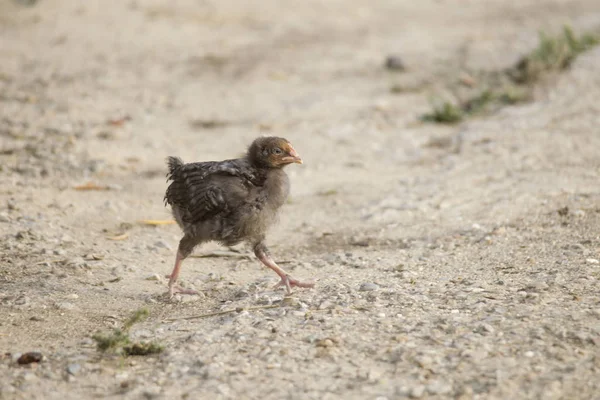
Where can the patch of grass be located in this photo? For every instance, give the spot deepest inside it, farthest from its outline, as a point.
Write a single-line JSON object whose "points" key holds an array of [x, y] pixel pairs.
{"points": [[444, 112], [488, 100], [515, 84], [479, 102], [117, 339], [552, 54], [138, 316], [143, 349], [119, 342], [514, 95]]}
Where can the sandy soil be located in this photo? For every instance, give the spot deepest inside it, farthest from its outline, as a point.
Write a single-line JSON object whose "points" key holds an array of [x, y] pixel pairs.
{"points": [[451, 262]]}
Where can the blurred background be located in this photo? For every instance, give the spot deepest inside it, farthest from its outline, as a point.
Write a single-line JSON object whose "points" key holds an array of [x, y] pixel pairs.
{"points": [[451, 160]]}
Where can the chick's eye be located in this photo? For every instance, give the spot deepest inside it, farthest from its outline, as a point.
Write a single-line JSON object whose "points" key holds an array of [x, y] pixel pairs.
{"points": [[277, 151]]}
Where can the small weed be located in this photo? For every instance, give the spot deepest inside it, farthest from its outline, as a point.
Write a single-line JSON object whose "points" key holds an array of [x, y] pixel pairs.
{"points": [[444, 112], [515, 84], [479, 102], [119, 342], [137, 316], [489, 100], [117, 339], [143, 349], [552, 54]]}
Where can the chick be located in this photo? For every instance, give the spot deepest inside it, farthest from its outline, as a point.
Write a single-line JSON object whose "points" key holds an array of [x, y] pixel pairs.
{"points": [[231, 201]]}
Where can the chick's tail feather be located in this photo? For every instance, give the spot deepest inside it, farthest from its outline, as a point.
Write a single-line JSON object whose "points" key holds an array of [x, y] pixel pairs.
{"points": [[174, 163]]}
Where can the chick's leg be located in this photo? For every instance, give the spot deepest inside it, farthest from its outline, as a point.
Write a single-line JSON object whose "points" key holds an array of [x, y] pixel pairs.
{"points": [[186, 245], [262, 253]]}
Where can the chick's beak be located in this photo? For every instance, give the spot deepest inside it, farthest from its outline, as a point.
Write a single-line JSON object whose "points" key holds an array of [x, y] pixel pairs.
{"points": [[293, 157]]}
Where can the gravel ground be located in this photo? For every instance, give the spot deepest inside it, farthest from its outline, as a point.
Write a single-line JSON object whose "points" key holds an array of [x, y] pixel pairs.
{"points": [[451, 261]]}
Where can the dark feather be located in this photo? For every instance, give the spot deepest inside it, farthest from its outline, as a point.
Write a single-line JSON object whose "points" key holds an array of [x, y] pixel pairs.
{"points": [[173, 163], [227, 201]]}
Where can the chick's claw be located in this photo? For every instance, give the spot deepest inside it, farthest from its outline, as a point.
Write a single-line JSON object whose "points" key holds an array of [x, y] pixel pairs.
{"points": [[290, 282]]}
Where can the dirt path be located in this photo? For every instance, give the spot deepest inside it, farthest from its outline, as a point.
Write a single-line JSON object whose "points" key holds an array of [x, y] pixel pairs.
{"points": [[452, 262]]}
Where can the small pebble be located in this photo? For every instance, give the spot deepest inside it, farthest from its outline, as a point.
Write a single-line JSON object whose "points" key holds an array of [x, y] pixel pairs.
{"points": [[394, 63], [65, 305], [30, 376], [264, 300], [154, 277], [161, 244], [485, 328], [367, 287], [299, 314], [438, 387], [73, 369], [424, 361], [30, 357], [326, 305], [310, 339], [325, 343], [417, 392], [11, 205], [121, 376], [592, 261], [67, 239], [538, 286]]}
